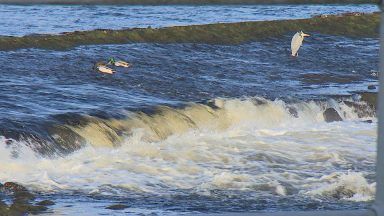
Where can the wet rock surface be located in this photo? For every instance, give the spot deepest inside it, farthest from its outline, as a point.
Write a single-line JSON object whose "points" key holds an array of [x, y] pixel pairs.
{"points": [[331, 115], [363, 110], [13, 187], [370, 98], [46, 203], [21, 201], [117, 207]]}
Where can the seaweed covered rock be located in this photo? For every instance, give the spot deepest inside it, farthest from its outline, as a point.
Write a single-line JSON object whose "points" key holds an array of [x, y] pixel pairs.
{"points": [[21, 201], [370, 98], [13, 187], [349, 25], [24, 209], [19, 193]]}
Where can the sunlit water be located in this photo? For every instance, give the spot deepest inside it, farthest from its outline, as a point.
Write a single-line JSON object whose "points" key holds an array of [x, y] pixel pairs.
{"points": [[23, 20], [189, 127]]}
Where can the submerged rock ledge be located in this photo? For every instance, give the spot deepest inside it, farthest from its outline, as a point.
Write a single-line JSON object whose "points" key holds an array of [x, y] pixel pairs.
{"points": [[350, 25]]}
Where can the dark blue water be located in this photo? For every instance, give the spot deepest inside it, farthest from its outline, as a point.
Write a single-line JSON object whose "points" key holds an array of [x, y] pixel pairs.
{"points": [[189, 127], [52, 82], [24, 20]]}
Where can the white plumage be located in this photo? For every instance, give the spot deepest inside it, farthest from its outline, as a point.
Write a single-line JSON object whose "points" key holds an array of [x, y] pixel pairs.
{"points": [[102, 67], [121, 64], [297, 41], [105, 69]]}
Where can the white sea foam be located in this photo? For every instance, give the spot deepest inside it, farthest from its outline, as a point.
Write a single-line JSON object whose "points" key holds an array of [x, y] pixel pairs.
{"points": [[349, 186], [240, 146]]}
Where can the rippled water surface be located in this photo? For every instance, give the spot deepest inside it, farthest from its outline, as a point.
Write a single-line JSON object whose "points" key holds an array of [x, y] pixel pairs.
{"points": [[51, 82], [24, 20], [189, 127]]}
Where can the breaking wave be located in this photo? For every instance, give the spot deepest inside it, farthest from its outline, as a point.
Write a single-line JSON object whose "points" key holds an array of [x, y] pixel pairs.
{"points": [[247, 148], [71, 132], [351, 186]]}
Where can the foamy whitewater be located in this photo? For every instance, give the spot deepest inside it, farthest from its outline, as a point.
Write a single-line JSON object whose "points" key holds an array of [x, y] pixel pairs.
{"points": [[189, 128], [255, 146]]}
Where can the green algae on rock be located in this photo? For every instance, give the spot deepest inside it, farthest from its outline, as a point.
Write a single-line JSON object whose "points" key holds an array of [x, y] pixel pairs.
{"points": [[21, 201], [370, 98], [350, 25]]}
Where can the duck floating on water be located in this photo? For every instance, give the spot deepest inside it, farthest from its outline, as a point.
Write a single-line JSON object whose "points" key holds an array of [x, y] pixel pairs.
{"points": [[119, 63], [102, 67]]}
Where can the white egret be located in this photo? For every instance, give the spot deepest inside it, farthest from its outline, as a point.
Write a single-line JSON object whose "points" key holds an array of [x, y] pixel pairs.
{"points": [[296, 42]]}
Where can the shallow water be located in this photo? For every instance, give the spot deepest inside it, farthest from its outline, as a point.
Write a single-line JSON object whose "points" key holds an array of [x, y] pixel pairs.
{"points": [[191, 127], [23, 20], [54, 82], [87, 139]]}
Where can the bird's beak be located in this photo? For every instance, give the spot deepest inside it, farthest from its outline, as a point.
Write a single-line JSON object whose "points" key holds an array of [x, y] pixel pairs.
{"points": [[306, 35]]}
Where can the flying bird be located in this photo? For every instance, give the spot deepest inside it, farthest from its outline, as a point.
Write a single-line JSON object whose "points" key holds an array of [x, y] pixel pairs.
{"points": [[296, 42]]}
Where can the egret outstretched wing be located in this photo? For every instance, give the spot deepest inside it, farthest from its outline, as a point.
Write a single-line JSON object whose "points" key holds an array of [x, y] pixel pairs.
{"points": [[296, 43]]}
